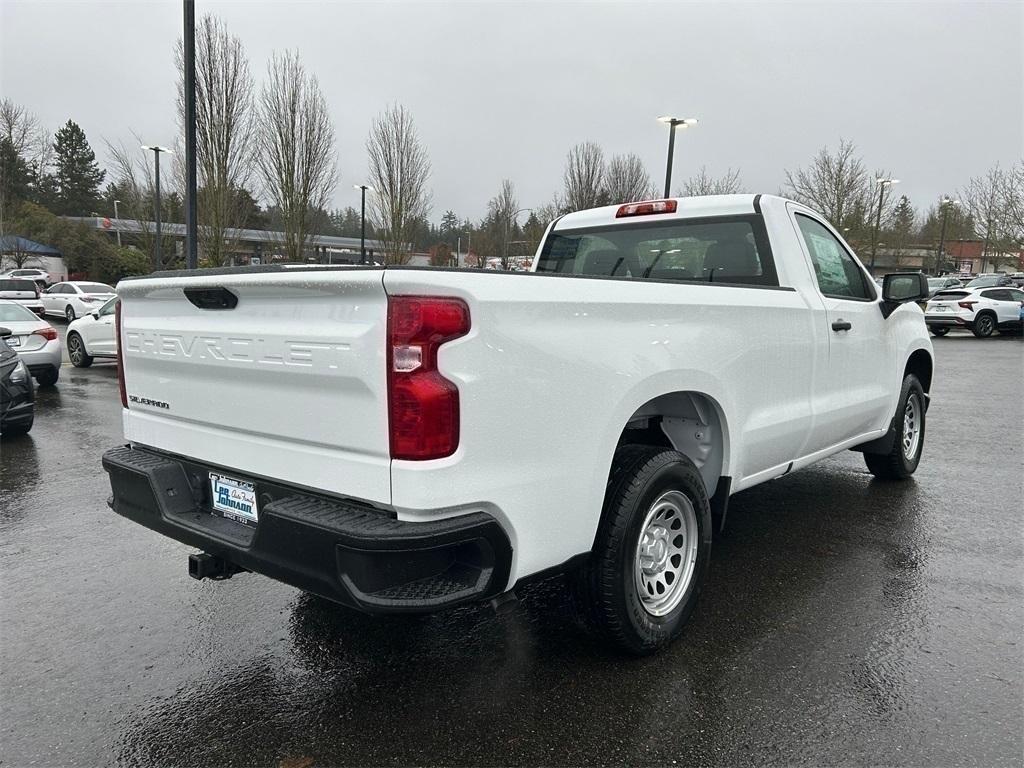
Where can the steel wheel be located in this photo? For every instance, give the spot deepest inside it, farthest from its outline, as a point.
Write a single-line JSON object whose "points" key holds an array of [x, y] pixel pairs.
{"points": [[666, 553], [911, 427]]}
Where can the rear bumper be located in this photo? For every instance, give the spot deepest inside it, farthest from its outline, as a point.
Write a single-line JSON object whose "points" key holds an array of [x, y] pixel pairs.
{"points": [[354, 554], [44, 359]]}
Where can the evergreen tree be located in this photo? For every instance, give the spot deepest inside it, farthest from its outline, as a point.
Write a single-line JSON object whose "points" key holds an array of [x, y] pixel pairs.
{"points": [[77, 176], [14, 174]]}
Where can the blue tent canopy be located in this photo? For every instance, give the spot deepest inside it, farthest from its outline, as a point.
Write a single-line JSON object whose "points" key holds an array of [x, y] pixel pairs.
{"points": [[15, 244]]}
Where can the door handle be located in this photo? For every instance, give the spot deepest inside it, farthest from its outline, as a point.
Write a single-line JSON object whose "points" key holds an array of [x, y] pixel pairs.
{"points": [[841, 325]]}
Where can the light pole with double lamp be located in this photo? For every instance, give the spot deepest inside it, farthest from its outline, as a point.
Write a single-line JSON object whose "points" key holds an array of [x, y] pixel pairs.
{"points": [[882, 184], [673, 123], [945, 205], [157, 150], [362, 222]]}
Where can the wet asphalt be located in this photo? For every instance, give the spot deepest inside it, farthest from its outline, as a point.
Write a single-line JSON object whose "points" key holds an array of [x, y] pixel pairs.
{"points": [[844, 621]]}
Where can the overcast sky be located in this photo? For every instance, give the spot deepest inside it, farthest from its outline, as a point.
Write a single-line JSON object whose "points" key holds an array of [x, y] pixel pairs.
{"points": [[933, 92]]}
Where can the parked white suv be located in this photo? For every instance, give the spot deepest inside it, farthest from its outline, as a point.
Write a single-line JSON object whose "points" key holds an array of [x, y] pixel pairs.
{"points": [[74, 299], [981, 311], [39, 276], [344, 430]]}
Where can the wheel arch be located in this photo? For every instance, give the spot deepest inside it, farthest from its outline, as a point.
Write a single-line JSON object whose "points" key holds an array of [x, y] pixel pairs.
{"points": [[920, 364], [690, 421]]}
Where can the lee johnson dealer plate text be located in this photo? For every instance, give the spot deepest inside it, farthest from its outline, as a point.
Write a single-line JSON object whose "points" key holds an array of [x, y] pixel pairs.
{"points": [[234, 499]]}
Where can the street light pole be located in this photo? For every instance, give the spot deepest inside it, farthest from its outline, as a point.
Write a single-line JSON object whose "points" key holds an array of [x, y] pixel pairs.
{"points": [[189, 61], [156, 150], [504, 248], [362, 223], [118, 224], [673, 123], [882, 184], [945, 205]]}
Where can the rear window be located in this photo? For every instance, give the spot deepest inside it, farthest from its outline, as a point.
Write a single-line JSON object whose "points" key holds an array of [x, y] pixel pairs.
{"points": [[731, 249], [17, 285], [15, 313], [94, 288]]}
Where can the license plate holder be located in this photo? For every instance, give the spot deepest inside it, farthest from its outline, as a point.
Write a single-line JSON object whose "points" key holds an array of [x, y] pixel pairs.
{"points": [[13, 341], [234, 499]]}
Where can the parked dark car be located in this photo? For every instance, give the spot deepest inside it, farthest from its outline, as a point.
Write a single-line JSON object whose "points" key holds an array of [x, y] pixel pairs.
{"points": [[17, 392]]}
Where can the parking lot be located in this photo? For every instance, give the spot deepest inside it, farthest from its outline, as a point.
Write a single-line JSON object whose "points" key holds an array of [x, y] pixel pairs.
{"points": [[844, 621]]}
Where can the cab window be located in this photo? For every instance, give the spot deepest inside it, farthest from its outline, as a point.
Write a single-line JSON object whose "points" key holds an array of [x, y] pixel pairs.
{"points": [[838, 275]]}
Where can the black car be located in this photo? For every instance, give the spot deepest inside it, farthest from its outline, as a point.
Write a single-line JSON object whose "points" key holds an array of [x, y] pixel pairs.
{"points": [[17, 392]]}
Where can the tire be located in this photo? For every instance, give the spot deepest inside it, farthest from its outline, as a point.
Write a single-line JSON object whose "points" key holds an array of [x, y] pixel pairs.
{"points": [[76, 351], [69, 313], [901, 462], [617, 591], [49, 378], [984, 325], [19, 430], [938, 330]]}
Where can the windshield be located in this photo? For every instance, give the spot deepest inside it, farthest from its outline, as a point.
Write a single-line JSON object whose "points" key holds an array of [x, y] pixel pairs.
{"points": [[731, 249], [15, 313], [95, 288], [981, 282]]}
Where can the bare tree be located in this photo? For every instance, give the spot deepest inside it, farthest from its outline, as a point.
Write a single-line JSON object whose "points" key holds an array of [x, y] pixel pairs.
{"points": [[1011, 193], [224, 134], [399, 172], [984, 203], [626, 180], [584, 177], [836, 184], [296, 149], [26, 134], [502, 210], [706, 184], [133, 183]]}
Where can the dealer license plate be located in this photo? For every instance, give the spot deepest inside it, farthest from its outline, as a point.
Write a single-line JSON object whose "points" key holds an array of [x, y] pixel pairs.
{"points": [[13, 341], [233, 499]]}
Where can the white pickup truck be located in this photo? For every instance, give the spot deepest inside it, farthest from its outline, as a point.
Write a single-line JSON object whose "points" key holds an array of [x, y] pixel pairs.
{"points": [[408, 439]]}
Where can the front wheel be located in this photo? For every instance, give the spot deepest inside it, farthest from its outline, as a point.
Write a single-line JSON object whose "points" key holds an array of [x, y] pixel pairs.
{"points": [[901, 462], [76, 351], [69, 313], [651, 553]]}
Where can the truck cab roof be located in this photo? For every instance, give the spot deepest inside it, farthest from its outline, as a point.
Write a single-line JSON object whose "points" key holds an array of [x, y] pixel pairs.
{"points": [[686, 208]]}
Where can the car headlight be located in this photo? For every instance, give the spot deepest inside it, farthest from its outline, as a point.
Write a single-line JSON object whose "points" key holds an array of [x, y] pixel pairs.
{"points": [[20, 373]]}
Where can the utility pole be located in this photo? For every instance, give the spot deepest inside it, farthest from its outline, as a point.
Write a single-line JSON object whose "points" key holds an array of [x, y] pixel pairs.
{"points": [[673, 123], [118, 225], [191, 228], [882, 184], [945, 204]]}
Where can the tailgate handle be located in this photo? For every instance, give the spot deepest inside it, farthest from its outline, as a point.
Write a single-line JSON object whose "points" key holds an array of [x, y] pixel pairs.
{"points": [[212, 298]]}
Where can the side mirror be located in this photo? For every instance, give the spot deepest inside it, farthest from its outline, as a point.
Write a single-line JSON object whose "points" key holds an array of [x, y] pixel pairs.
{"points": [[95, 315], [5, 332], [902, 287]]}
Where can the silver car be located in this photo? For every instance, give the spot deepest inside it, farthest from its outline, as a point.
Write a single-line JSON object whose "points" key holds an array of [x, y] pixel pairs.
{"points": [[35, 341]]}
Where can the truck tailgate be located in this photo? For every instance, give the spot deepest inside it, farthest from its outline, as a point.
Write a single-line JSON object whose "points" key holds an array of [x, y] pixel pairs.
{"points": [[288, 383]]}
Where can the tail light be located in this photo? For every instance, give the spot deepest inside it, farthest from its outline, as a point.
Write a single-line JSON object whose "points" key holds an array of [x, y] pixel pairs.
{"points": [[47, 333], [967, 304], [120, 355], [423, 406], [646, 208]]}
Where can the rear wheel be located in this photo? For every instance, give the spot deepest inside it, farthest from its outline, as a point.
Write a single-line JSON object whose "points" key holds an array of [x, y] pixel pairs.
{"points": [[901, 462], [938, 330], [651, 552], [76, 351], [984, 325], [69, 313], [48, 378]]}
